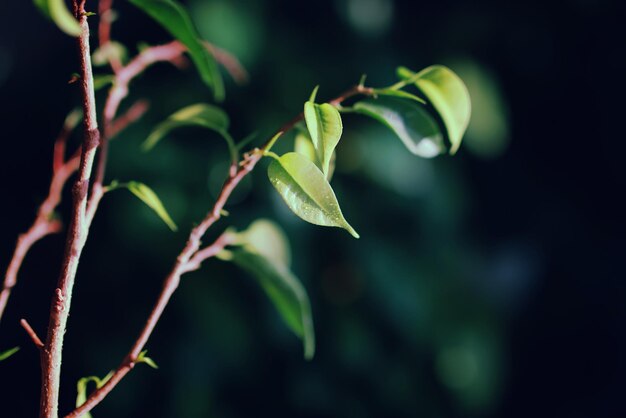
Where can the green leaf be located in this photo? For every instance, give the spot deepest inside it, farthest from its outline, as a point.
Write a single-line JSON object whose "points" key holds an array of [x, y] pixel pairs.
{"points": [[109, 51], [172, 16], [398, 93], [81, 388], [60, 15], [324, 124], [254, 253], [101, 81], [306, 191], [200, 114], [449, 97], [8, 353], [410, 121], [304, 145], [268, 239], [147, 196], [142, 358]]}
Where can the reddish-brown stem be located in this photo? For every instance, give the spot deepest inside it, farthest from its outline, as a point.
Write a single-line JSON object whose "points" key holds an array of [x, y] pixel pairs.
{"points": [[104, 31], [192, 256], [31, 333], [77, 234], [44, 223]]}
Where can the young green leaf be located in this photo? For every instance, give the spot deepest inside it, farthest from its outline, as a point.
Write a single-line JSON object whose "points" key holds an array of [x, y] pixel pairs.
{"points": [[81, 388], [101, 81], [60, 15], [8, 353], [172, 16], [449, 97], [410, 121], [304, 145], [268, 239], [147, 196], [109, 51], [398, 93], [324, 124], [142, 358], [200, 114], [306, 191], [263, 251]]}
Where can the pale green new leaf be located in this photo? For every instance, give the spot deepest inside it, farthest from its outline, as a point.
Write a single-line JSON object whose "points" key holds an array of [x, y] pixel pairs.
{"points": [[57, 11], [200, 114], [449, 97], [398, 93], [142, 358], [172, 16], [268, 239], [108, 52], [409, 120], [81, 389], [8, 353], [101, 81], [147, 196], [324, 124], [306, 191]]}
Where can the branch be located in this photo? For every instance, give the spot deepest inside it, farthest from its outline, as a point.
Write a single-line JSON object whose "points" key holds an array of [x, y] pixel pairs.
{"points": [[192, 256], [31, 333], [77, 234], [44, 223]]}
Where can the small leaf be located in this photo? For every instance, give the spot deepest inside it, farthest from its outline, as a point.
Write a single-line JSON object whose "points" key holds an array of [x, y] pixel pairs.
{"points": [[172, 16], [324, 124], [60, 15], [110, 51], [304, 145], [410, 121], [101, 81], [449, 97], [398, 93], [8, 353], [252, 253], [142, 358], [306, 191], [147, 196], [268, 239], [81, 388], [200, 114]]}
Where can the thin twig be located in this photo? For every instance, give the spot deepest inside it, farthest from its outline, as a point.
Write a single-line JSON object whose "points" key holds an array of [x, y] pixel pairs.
{"points": [[77, 234], [44, 223], [192, 256], [31, 333]]}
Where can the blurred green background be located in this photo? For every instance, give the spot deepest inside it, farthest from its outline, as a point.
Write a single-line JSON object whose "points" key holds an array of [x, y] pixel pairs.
{"points": [[485, 285]]}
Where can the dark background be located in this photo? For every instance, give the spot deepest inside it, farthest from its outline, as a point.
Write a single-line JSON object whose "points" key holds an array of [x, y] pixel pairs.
{"points": [[490, 284]]}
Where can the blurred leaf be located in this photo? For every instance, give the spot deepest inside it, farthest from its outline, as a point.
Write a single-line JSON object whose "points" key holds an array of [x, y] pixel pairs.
{"points": [[262, 250], [324, 124], [142, 358], [268, 239], [410, 121], [60, 15], [200, 114], [81, 389], [306, 191], [8, 353], [172, 16], [449, 97], [147, 196], [101, 81], [398, 93], [110, 51]]}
